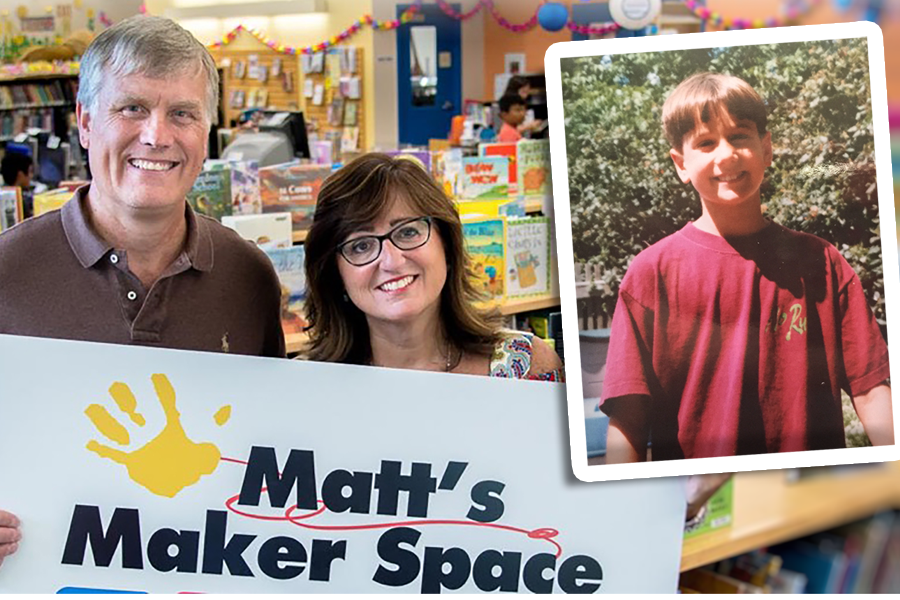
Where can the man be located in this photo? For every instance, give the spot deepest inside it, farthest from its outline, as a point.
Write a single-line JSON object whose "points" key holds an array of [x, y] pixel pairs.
{"points": [[127, 261]]}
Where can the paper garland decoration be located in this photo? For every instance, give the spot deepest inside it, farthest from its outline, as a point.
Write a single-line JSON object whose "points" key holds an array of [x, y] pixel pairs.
{"points": [[405, 17], [792, 12], [489, 4]]}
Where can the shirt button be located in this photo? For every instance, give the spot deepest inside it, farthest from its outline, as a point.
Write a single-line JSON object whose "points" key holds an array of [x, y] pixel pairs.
{"points": [[132, 295], [114, 258]]}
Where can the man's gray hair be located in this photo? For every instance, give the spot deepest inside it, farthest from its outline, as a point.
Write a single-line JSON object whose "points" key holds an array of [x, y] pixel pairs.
{"points": [[154, 47]]}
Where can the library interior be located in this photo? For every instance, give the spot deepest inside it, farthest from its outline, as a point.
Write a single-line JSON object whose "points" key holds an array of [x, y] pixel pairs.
{"points": [[307, 86]]}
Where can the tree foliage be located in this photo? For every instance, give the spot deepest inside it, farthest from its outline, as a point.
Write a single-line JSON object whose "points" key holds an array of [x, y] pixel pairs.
{"points": [[625, 194]]}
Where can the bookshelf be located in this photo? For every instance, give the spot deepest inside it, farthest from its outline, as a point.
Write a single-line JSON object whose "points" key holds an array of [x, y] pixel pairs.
{"points": [[43, 101], [769, 510]]}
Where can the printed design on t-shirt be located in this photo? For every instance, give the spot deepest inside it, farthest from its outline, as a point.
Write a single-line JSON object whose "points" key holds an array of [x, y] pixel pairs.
{"points": [[169, 462], [791, 323]]}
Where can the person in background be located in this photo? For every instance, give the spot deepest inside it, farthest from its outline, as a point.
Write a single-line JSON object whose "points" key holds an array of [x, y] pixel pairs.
{"points": [[512, 113], [137, 266], [389, 281], [17, 170], [519, 85]]}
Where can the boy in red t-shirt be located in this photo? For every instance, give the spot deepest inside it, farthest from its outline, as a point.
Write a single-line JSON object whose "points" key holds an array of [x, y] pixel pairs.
{"points": [[736, 335], [512, 112]]}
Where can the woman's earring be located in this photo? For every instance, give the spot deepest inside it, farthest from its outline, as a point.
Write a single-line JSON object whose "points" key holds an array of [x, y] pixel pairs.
{"points": [[346, 297]]}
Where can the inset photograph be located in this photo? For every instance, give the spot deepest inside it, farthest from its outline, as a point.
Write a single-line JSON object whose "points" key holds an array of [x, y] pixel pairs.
{"points": [[725, 276]]}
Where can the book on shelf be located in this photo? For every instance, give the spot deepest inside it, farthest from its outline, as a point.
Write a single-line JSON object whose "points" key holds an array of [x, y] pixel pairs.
{"points": [[321, 152], [821, 558], [289, 264], [486, 244], [11, 209], [533, 165], [485, 177], [244, 175], [350, 139], [336, 112], [495, 207], [447, 168], [718, 512], [702, 581], [507, 149], [294, 188], [268, 231], [51, 200], [211, 194], [528, 261], [351, 109]]}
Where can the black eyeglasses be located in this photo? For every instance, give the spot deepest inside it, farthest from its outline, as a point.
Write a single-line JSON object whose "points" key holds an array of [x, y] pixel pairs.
{"points": [[408, 235]]}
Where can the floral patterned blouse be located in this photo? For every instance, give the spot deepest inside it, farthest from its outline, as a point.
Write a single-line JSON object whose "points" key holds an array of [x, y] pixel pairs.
{"points": [[512, 359]]}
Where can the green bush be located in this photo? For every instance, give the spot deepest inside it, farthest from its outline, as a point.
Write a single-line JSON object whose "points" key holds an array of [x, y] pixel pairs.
{"points": [[625, 194]]}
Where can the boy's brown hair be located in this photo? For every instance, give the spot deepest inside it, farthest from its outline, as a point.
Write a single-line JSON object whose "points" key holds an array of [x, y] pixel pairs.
{"points": [[699, 97]]}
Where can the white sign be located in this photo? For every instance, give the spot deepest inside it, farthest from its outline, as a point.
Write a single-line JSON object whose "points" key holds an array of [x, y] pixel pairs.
{"points": [[166, 471]]}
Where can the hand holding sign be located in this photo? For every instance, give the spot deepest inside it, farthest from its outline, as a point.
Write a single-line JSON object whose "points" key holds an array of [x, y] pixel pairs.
{"points": [[169, 462], [9, 534]]}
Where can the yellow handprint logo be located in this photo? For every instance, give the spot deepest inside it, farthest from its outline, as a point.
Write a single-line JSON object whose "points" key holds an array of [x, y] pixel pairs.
{"points": [[169, 462]]}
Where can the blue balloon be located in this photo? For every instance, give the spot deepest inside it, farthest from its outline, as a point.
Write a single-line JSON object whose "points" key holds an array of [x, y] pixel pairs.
{"points": [[553, 16]]}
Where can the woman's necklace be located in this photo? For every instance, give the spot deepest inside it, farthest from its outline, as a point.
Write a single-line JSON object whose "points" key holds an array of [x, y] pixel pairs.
{"points": [[448, 367]]}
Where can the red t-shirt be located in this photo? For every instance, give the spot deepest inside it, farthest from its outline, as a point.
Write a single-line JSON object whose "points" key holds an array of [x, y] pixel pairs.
{"points": [[508, 133], [743, 345]]}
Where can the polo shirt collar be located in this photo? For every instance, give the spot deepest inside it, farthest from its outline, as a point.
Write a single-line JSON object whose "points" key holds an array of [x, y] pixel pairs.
{"points": [[89, 247]]}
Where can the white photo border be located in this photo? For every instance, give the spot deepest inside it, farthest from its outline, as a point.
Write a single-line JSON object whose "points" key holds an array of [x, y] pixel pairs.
{"points": [[807, 33]]}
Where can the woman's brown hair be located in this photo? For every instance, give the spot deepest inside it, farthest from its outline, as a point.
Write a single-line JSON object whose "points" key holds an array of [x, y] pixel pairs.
{"points": [[354, 197]]}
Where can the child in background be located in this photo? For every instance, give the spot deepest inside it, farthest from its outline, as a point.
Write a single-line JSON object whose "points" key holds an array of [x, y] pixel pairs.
{"points": [[17, 170], [512, 113], [736, 335]]}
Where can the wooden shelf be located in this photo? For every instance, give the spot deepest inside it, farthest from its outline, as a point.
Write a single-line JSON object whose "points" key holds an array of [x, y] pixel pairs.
{"points": [[27, 77], [514, 307], [769, 510]]}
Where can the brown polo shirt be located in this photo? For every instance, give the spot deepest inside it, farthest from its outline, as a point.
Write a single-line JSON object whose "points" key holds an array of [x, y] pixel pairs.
{"points": [[60, 279]]}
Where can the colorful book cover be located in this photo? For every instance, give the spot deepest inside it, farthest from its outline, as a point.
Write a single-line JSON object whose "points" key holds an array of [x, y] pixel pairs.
{"points": [[293, 188], [486, 244], [507, 149], [719, 512], [420, 157], [470, 209], [289, 264], [268, 231], [446, 166], [245, 199], [10, 207], [528, 257], [211, 194], [485, 177], [322, 152], [51, 200], [533, 165]]}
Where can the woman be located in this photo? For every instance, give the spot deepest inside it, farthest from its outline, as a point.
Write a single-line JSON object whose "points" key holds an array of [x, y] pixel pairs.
{"points": [[518, 84], [388, 280]]}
